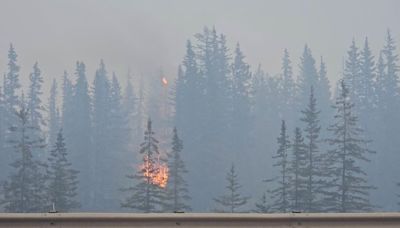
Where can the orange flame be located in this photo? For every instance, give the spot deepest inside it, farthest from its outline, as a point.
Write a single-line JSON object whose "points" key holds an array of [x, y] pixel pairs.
{"points": [[160, 177], [164, 81]]}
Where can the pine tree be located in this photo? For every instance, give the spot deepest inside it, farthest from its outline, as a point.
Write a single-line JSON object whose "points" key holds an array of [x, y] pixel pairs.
{"points": [[130, 108], [322, 91], [79, 137], [214, 109], [67, 106], [11, 86], [314, 163], [287, 89], [118, 137], [176, 189], [35, 105], [233, 199], [102, 144], [54, 119], [63, 183], [299, 191], [349, 187], [242, 92], [262, 205], [145, 196], [368, 76], [3, 131], [11, 82], [280, 194], [352, 73], [308, 76], [392, 68], [24, 191]]}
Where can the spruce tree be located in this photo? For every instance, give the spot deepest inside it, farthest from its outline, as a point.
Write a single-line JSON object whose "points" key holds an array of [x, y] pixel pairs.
{"points": [[299, 190], [24, 191], [288, 90], [368, 76], [63, 183], [67, 106], [11, 101], [308, 76], [280, 194], [352, 73], [242, 92], [349, 187], [35, 105], [118, 137], [177, 194], [232, 200], [11, 82], [391, 81], [312, 130], [322, 91], [145, 196], [262, 205], [79, 136], [102, 145], [129, 103], [54, 121]]}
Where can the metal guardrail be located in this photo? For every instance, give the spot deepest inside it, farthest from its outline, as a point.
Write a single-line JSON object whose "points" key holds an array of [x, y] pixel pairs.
{"points": [[353, 220]]}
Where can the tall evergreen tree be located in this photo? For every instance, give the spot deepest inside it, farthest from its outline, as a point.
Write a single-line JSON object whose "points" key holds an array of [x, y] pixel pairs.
{"points": [[67, 106], [129, 103], [79, 137], [102, 144], [63, 183], [288, 89], [176, 189], [11, 86], [242, 92], [308, 76], [352, 73], [391, 81], [314, 163], [119, 144], [11, 82], [322, 91], [214, 104], [388, 114], [299, 191], [145, 196], [54, 121], [35, 105], [368, 77], [233, 199], [24, 191], [349, 187], [280, 194]]}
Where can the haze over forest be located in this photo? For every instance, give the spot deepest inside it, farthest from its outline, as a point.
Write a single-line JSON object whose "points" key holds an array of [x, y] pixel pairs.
{"points": [[204, 106]]}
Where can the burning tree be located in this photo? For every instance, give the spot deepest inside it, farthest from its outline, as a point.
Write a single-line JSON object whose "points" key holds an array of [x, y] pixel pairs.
{"points": [[147, 195]]}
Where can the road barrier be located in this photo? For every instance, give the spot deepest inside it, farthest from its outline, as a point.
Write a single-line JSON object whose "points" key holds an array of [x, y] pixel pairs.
{"points": [[353, 220]]}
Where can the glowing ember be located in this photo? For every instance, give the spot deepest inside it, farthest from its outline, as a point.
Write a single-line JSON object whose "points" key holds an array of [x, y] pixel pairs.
{"points": [[160, 176], [164, 81]]}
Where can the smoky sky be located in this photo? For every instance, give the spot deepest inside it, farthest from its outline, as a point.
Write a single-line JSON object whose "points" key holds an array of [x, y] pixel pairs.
{"points": [[144, 36]]}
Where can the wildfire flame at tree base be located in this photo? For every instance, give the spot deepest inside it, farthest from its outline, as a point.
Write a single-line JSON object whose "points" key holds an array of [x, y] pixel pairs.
{"points": [[160, 176]]}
